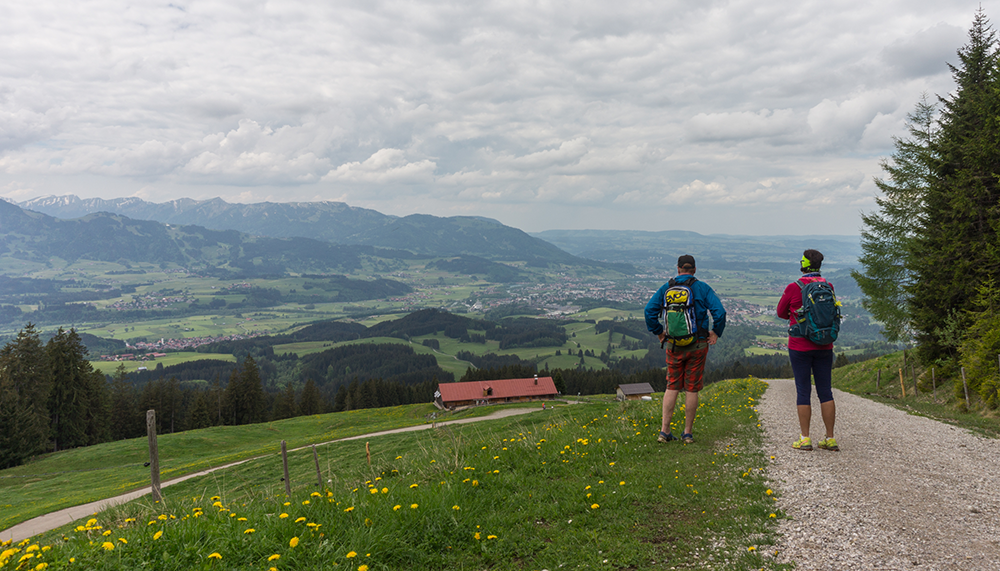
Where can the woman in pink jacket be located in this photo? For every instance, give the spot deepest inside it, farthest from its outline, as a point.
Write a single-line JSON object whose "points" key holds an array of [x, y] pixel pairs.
{"points": [[809, 361]]}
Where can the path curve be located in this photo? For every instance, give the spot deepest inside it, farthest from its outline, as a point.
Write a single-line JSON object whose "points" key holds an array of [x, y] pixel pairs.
{"points": [[50, 521], [904, 492]]}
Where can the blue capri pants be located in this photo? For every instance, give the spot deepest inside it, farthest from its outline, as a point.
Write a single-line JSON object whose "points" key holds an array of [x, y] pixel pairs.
{"points": [[808, 366]]}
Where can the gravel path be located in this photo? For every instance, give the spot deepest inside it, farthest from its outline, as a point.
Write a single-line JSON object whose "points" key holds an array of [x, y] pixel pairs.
{"points": [[904, 492]]}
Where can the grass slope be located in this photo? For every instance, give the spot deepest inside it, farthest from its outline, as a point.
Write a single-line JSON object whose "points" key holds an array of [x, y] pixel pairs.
{"points": [[575, 486], [933, 392]]}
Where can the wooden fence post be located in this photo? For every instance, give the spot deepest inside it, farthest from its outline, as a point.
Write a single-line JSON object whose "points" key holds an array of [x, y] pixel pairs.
{"points": [[284, 462], [319, 475], [933, 384], [154, 456], [902, 387], [878, 379], [966, 387]]}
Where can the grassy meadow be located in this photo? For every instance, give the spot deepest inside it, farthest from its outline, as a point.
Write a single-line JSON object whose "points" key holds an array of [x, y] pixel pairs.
{"points": [[929, 391], [582, 485]]}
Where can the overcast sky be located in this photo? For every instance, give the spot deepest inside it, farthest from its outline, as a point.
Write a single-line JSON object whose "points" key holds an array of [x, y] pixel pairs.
{"points": [[753, 117]]}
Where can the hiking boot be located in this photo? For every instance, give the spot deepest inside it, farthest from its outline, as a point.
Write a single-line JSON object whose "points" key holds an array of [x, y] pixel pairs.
{"points": [[803, 443], [828, 444], [666, 437], [688, 438]]}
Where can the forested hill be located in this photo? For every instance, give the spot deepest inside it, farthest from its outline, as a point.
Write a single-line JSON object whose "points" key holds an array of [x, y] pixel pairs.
{"points": [[111, 237], [333, 222]]}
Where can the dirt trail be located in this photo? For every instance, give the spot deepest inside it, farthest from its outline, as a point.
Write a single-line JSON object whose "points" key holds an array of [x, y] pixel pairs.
{"points": [[904, 492], [51, 521]]}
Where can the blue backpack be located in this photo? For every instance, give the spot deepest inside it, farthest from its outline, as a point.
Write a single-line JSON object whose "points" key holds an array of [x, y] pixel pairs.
{"points": [[818, 320]]}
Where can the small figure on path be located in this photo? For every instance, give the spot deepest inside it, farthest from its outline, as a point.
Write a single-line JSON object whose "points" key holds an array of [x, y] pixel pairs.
{"points": [[814, 320], [684, 304]]}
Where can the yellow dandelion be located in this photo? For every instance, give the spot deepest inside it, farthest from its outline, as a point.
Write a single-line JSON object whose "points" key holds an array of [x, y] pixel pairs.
{"points": [[305, 502], [413, 506], [477, 536], [362, 568], [594, 506], [106, 533], [158, 535], [293, 542], [250, 530], [283, 516], [491, 537], [302, 519], [413, 486], [396, 507], [274, 557], [122, 540], [215, 555], [242, 519], [773, 515], [316, 495], [41, 566], [456, 508], [385, 490], [349, 510], [622, 483], [751, 548], [351, 554], [108, 546]]}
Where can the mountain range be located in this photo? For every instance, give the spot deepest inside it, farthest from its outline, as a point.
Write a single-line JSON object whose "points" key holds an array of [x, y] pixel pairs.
{"points": [[332, 222]]}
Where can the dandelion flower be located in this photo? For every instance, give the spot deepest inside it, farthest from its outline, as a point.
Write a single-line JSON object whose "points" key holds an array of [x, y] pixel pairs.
{"points": [[274, 557], [491, 537], [122, 540], [250, 530], [396, 507], [302, 519], [293, 542], [215, 555], [283, 516], [347, 510], [305, 502], [773, 515], [413, 506], [385, 490], [362, 568], [158, 535], [594, 506], [413, 486], [351, 554], [751, 548], [108, 546], [477, 536], [41, 566], [456, 508]]}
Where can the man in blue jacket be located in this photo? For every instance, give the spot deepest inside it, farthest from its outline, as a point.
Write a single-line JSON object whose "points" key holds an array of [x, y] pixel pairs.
{"points": [[685, 358]]}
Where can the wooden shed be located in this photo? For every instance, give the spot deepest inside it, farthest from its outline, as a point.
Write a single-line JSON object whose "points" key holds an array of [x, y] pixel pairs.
{"points": [[634, 391]]}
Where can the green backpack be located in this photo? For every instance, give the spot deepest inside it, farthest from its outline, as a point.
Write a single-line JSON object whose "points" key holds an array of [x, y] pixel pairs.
{"points": [[679, 323]]}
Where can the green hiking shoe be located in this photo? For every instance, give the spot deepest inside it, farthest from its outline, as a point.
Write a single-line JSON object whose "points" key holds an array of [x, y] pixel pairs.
{"points": [[829, 444], [803, 443]]}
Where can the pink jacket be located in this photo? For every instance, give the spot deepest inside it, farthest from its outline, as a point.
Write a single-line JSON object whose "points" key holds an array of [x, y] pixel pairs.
{"points": [[791, 301]]}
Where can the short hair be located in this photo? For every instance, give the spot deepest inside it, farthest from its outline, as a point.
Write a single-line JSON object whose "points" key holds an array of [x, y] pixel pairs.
{"points": [[815, 260]]}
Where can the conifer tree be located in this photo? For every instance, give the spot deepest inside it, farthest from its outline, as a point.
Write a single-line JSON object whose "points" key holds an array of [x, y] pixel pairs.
{"points": [[957, 243], [25, 383], [311, 400], [78, 402], [887, 238]]}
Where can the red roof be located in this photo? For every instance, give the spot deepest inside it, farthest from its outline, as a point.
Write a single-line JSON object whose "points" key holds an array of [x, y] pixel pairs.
{"points": [[502, 389]]}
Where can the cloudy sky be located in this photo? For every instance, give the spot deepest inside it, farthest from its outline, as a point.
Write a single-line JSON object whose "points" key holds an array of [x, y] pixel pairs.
{"points": [[714, 116]]}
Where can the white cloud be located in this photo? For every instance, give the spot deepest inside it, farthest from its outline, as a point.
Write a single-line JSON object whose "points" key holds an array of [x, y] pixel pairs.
{"points": [[470, 105]]}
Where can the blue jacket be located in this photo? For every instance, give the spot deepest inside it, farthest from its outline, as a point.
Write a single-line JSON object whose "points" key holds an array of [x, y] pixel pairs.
{"points": [[705, 302]]}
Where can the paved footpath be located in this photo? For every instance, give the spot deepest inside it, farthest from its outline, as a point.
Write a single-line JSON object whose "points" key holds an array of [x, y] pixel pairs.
{"points": [[904, 492], [56, 519]]}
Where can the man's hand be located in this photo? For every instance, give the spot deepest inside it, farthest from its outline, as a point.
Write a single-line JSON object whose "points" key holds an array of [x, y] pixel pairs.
{"points": [[662, 337], [712, 338]]}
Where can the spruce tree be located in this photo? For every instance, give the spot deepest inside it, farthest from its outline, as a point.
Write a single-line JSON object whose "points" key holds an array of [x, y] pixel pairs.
{"points": [[957, 243], [25, 384], [889, 231]]}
